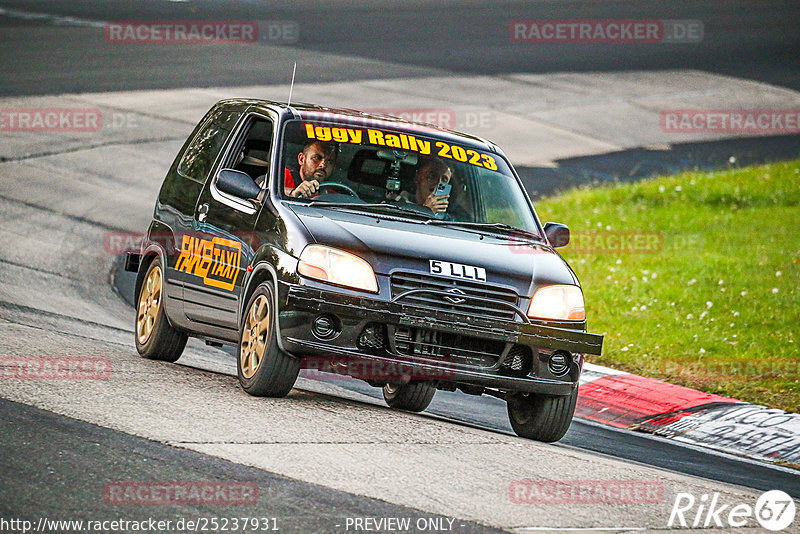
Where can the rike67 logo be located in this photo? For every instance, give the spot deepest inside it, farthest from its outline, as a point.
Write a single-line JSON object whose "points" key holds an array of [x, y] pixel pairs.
{"points": [[774, 511]]}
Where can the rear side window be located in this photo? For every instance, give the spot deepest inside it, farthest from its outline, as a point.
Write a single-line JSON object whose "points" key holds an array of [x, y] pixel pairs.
{"points": [[202, 152]]}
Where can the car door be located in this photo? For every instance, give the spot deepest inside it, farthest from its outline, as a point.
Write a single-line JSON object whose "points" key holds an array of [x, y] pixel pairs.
{"points": [[177, 200], [223, 244]]}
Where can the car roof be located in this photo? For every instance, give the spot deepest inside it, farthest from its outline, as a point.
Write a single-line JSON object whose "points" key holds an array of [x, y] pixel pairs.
{"points": [[307, 111]]}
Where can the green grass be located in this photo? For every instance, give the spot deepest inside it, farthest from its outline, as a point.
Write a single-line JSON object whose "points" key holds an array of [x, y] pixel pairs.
{"points": [[716, 306]]}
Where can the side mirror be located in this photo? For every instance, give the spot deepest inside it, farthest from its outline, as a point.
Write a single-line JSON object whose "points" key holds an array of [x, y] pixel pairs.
{"points": [[557, 234], [238, 184]]}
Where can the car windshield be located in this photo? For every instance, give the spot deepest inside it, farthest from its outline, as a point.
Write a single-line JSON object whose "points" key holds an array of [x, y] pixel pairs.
{"points": [[366, 167]]}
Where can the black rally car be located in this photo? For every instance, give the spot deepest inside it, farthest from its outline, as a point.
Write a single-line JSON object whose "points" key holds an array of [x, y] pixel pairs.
{"points": [[410, 285]]}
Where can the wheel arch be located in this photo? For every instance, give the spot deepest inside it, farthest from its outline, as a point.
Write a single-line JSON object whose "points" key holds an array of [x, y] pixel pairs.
{"points": [[151, 252], [262, 272]]}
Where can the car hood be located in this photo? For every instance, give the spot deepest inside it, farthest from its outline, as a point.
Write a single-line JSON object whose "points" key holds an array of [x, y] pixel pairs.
{"points": [[392, 244]]}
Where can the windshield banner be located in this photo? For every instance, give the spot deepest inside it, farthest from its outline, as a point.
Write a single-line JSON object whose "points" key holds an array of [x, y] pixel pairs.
{"points": [[399, 141]]}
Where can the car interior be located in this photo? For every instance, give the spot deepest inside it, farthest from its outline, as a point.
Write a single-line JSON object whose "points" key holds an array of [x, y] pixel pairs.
{"points": [[367, 171], [254, 150]]}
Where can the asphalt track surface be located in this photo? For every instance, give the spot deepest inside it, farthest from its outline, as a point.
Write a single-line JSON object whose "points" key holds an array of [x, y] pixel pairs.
{"points": [[61, 465], [749, 40], [347, 40]]}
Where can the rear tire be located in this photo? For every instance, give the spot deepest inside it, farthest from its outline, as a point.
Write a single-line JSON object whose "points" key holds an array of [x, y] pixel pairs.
{"points": [[413, 397], [156, 339], [263, 369], [541, 417]]}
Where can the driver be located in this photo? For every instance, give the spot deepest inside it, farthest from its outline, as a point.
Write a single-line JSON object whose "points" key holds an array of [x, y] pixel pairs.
{"points": [[316, 161]]}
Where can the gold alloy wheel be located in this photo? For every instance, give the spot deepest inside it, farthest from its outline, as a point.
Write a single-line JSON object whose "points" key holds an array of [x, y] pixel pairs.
{"points": [[149, 304], [254, 336]]}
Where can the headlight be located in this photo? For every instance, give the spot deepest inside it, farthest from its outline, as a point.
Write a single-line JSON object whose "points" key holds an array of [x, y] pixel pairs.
{"points": [[337, 267], [558, 302]]}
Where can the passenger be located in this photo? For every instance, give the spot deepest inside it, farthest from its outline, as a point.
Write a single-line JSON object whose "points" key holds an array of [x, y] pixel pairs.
{"points": [[459, 207], [430, 173], [317, 161]]}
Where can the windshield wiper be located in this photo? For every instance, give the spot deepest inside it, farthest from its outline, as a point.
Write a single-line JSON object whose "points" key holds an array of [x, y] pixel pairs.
{"points": [[503, 227], [370, 206]]}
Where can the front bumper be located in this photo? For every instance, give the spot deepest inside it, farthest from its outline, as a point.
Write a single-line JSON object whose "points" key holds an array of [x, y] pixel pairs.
{"points": [[300, 305]]}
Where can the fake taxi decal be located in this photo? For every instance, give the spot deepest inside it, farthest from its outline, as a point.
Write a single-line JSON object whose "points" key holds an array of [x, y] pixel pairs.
{"points": [[216, 262], [402, 141]]}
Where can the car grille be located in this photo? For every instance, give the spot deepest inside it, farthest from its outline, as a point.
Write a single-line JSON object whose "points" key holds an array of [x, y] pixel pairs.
{"points": [[480, 307], [449, 348]]}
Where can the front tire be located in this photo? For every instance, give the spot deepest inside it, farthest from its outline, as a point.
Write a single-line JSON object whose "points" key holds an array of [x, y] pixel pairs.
{"points": [[541, 417], [263, 369], [156, 339], [413, 397]]}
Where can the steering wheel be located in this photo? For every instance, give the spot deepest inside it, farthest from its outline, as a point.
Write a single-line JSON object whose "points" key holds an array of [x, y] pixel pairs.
{"points": [[339, 185]]}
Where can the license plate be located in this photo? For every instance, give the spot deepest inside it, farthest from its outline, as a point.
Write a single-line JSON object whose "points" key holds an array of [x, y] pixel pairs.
{"points": [[458, 270]]}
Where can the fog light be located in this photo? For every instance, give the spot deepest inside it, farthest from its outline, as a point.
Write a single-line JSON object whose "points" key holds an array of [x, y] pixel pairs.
{"points": [[325, 327], [559, 363]]}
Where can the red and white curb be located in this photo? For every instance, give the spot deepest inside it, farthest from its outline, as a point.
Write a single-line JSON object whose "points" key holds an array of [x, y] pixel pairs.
{"points": [[644, 404]]}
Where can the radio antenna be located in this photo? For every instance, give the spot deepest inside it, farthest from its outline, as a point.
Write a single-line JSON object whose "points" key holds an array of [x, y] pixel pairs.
{"points": [[291, 87]]}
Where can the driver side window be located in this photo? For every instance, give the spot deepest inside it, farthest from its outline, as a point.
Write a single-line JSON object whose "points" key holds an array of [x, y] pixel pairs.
{"points": [[252, 152]]}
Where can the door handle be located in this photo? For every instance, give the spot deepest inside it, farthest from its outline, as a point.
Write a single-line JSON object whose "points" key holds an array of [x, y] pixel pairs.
{"points": [[202, 212]]}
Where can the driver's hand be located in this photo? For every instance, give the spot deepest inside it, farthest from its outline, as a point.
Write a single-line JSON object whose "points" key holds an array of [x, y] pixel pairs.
{"points": [[305, 189], [437, 204]]}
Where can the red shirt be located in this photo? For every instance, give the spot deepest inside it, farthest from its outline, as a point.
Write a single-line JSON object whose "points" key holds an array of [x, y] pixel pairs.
{"points": [[290, 183], [288, 180]]}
